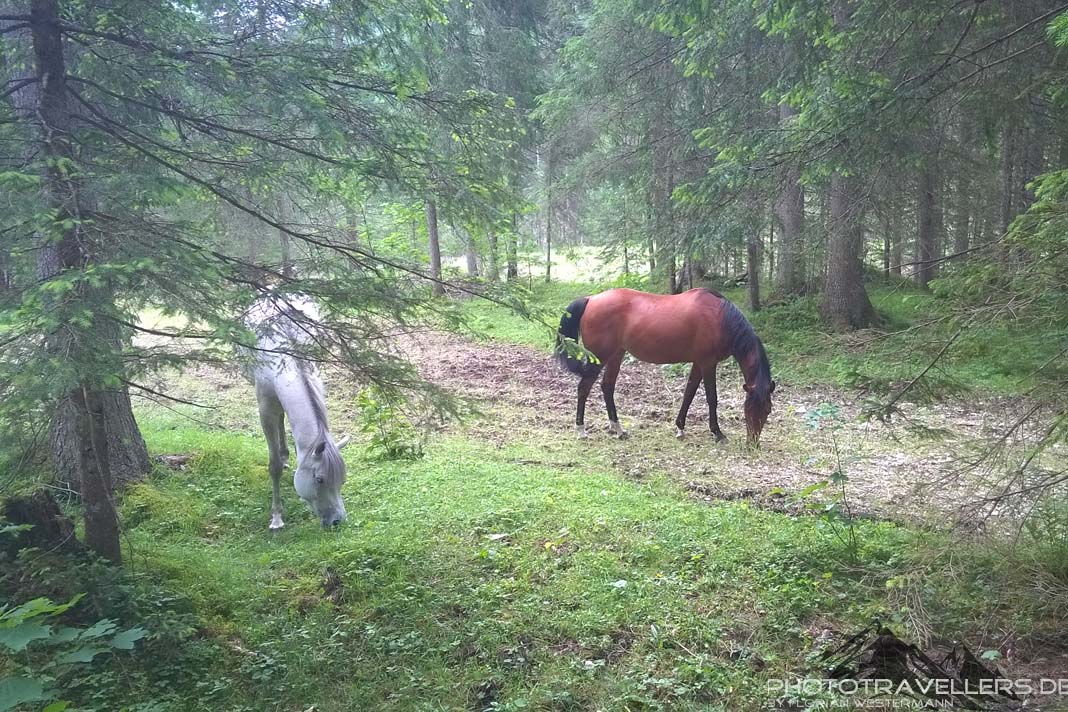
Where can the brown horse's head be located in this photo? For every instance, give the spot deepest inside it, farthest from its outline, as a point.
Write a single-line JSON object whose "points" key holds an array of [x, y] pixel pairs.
{"points": [[757, 406]]}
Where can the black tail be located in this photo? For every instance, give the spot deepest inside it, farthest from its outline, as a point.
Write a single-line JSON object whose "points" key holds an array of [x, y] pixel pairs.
{"points": [[569, 329]]}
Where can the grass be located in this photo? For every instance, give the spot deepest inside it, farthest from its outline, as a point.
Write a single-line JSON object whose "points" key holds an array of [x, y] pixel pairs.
{"points": [[472, 579]]}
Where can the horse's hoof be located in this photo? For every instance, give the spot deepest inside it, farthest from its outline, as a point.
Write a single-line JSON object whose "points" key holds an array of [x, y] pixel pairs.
{"points": [[616, 429], [720, 438], [276, 522], [580, 432], [679, 433]]}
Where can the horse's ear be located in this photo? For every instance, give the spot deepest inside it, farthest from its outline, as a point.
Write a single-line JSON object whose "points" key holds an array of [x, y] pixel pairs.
{"points": [[747, 388], [343, 441], [320, 448]]}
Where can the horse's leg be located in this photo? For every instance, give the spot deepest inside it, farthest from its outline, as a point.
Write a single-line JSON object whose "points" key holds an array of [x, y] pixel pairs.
{"points": [[282, 439], [687, 398], [608, 387], [584, 387], [275, 447], [713, 401]]}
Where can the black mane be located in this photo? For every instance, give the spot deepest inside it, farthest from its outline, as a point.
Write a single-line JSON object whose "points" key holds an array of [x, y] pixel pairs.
{"points": [[744, 341]]}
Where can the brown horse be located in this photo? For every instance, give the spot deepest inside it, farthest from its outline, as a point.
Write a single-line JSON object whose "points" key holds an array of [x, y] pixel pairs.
{"points": [[700, 327]]}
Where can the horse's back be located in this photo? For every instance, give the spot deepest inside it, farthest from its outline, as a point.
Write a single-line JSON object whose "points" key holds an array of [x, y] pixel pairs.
{"points": [[658, 328], [281, 323]]}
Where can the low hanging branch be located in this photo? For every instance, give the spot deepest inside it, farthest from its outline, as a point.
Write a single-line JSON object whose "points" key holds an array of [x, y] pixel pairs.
{"points": [[938, 357]]}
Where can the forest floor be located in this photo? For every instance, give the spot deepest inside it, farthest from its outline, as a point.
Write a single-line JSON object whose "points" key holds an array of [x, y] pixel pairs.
{"points": [[917, 466]]}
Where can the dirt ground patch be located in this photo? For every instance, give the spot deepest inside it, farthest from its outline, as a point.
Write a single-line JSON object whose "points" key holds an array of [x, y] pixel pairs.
{"points": [[915, 466]]}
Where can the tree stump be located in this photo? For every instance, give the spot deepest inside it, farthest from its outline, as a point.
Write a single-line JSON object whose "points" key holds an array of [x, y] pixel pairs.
{"points": [[51, 529]]}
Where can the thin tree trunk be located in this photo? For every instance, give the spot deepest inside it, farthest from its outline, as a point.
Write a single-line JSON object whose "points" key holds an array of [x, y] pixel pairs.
{"points": [[772, 246], [752, 253], [434, 247], [1032, 155], [493, 270], [790, 210], [962, 224], [512, 248], [662, 145], [1008, 174], [283, 237], [15, 50], [549, 214], [898, 248], [470, 255], [886, 245]]}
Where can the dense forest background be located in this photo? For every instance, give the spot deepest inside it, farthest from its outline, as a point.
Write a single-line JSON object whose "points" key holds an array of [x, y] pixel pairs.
{"points": [[418, 162]]}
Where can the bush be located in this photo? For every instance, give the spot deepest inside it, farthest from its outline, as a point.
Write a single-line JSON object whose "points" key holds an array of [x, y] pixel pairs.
{"points": [[393, 437]]}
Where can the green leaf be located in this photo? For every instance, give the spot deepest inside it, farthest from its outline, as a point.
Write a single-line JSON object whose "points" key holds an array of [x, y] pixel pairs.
{"points": [[126, 639], [81, 655], [16, 639], [99, 629], [57, 706], [17, 690], [65, 635], [815, 487]]}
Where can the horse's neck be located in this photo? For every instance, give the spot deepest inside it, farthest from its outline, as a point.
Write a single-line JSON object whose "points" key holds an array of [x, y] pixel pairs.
{"points": [[750, 365], [297, 403]]}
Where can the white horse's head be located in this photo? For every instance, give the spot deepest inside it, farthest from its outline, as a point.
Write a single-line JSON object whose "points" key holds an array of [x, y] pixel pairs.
{"points": [[318, 479]]}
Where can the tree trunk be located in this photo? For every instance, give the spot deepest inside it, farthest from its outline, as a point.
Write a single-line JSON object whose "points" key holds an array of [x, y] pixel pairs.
{"points": [[512, 248], [71, 251], [128, 459], [434, 246], [470, 254], [1032, 154], [898, 247], [752, 253], [845, 303], [790, 210], [662, 145], [1008, 174], [549, 214], [98, 504], [493, 270], [15, 50], [925, 227], [772, 247], [962, 224], [287, 258], [886, 245]]}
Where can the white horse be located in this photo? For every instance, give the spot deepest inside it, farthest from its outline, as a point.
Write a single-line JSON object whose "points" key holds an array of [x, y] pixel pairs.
{"points": [[289, 386]]}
